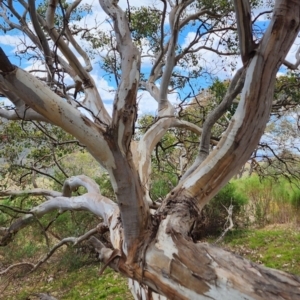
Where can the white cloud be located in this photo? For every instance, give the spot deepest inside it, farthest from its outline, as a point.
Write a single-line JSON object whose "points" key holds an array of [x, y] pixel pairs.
{"points": [[5, 102], [11, 40], [291, 56], [107, 91], [224, 66], [146, 104]]}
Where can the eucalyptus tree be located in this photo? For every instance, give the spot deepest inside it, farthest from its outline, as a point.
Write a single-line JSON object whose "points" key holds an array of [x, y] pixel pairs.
{"points": [[152, 247]]}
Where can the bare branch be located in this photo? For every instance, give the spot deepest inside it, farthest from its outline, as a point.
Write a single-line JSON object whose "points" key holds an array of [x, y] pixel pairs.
{"points": [[21, 114], [27, 264], [39, 97], [106, 255], [48, 25], [91, 201], [84, 55], [6, 65], [41, 35], [148, 142], [165, 107], [244, 25], [296, 64], [70, 8], [197, 15], [159, 58], [33, 192], [74, 182], [151, 88], [233, 90], [125, 108], [134, 208], [73, 240], [247, 125], [230, 226]]}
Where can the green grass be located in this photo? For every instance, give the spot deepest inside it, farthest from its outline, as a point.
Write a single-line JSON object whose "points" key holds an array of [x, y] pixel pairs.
{"points": [[89, 285], [83, 284], [71, 276], [275, 248], [67, 275]]}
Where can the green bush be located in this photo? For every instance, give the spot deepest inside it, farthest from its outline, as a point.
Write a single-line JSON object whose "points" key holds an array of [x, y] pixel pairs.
{"points": [[214, 214], [271, 200], [162, 184], [295, 198]]}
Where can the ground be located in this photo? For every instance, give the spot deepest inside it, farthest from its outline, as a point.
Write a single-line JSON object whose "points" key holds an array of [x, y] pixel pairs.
{"points": [[76, 276]]}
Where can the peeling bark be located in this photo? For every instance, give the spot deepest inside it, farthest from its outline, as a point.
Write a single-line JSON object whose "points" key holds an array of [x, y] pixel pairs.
{"points": [[182, 269]]}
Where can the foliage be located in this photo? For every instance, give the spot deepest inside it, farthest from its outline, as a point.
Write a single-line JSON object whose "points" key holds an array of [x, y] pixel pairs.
{"points": [[30, 149], [144, 23], [214, 214], [69, 284], [105, 186], [76, 15], [271, 201]]}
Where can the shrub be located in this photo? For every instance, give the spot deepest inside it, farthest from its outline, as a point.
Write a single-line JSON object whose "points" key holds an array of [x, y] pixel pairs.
{"points": [[214, 214], [271, 200]]}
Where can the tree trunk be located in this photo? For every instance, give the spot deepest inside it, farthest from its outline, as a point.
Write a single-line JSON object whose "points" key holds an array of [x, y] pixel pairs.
{"points": [[181, 269]]}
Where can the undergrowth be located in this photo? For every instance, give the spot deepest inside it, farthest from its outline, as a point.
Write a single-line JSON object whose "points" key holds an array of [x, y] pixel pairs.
{"points": [[77, 281], [274, 247]]}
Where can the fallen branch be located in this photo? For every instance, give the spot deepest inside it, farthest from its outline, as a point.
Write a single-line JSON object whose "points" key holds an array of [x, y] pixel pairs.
{"points": [[229, 219], [74, 240], [15, 266]]}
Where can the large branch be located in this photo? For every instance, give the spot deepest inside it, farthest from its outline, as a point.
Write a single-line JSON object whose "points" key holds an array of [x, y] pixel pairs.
{"points": [[33, 192], [296, 64], [70, 185], [164, 106], [185, 270], [6, 65], [91, 201], [125, 108], [20, 111], [144, 148], [41, 36], [23, 114], [244, 26], [180, 269], [234, 89], [84, 55], [74, 182], [252, 114], [126, 183], [38, 96], [93, 101]]}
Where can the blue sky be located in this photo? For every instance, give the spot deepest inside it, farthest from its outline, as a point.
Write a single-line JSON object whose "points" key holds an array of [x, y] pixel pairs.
{"points": [[106, 86]]}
